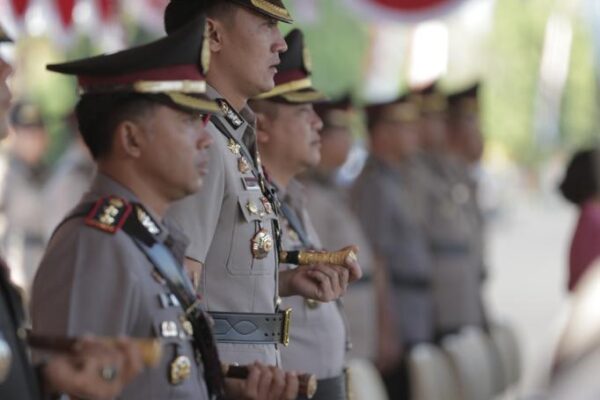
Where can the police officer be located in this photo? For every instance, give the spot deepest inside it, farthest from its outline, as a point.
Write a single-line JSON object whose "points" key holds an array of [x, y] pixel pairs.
{"points": [[76, 374], [288, 138], [391, 222], [121, 260], [328, 205], [233, 223], [24, 182], [447, 221]]}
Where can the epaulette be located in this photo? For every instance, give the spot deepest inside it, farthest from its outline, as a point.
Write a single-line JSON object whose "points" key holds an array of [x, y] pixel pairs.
{"points": [[109, 214]]}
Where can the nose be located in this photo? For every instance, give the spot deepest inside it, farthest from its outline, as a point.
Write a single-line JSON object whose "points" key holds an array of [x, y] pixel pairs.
{"points": [[317, 122], [205, 139], [280, 46]]}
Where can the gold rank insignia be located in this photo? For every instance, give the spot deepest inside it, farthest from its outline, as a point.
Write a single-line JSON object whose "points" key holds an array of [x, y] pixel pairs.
{"points": [[293, 235], [267, 205], [252, 207], [168, 329], [234, 147], [181, 368], [146, 220], [231, 116], [261, 244], [243, 165], [311, 304], [186, 325], [109, 214]]}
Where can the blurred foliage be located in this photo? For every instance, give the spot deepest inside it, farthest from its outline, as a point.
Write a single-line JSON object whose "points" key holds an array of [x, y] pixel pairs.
{"points": [[512, 80], [338, 43], [580, 123]]}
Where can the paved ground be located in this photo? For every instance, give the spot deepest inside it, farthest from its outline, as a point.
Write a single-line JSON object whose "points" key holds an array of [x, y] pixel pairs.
{"points": [[528, 253]]}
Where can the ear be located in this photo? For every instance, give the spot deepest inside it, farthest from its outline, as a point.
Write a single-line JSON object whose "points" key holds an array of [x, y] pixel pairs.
{"points": [[262, 128], [130, 138], [214, 34]]}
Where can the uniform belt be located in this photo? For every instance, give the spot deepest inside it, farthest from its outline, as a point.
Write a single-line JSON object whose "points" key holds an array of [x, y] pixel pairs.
{"points": [[417, 283], [449, 249], [252, 328], [330, 389]]}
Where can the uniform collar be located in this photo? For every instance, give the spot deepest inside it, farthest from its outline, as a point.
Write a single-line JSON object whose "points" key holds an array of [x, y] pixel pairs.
{"points": [[240, 124], [294, 194], [103, 185]]}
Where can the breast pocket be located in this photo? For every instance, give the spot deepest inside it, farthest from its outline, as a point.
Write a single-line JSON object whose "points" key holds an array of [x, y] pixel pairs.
{"points": [[253, 242]]}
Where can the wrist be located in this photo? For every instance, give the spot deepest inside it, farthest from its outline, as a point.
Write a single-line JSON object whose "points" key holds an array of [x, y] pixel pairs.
{"points": [[284, 284]]}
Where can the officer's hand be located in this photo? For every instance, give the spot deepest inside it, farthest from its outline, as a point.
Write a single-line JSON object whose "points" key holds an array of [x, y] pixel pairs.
{"points": [[263, 383], [96, 370], [323, 283], [352, 265]]}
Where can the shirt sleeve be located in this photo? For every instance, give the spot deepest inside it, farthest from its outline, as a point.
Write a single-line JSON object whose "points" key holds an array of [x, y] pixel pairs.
{"points": [[198, 215], [88, 282]]}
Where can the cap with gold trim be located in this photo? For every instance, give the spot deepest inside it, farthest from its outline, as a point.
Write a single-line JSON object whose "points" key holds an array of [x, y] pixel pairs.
{"points": [[465, 102], [292, 82], [271, 8], [336, 113], [180, 12], [170, 70], [430, 99], [402, 109], [4, 36]]}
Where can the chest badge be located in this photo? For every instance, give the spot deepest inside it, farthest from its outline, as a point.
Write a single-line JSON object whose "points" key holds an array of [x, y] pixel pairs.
{"points": [[180, 370], [243, 165], [234, 147], [267, 205], [261, 244]]}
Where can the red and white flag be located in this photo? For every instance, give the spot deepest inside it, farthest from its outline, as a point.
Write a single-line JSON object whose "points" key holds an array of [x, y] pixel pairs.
{"points": [[403, 10]]}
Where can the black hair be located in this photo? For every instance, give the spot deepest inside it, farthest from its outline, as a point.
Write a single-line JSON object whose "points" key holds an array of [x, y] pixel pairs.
{"points": [[98, 115], [581, 177], [180, 12]]}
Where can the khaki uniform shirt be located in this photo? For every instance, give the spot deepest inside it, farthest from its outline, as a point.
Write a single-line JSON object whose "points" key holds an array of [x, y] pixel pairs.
{"points": [[91, 281], [220, 224], [317, 334], [385, 208], [337, 226], [449, 225]]}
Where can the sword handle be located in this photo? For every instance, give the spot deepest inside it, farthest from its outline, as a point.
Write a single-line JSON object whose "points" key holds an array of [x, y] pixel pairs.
{"points": [[307, 387]]}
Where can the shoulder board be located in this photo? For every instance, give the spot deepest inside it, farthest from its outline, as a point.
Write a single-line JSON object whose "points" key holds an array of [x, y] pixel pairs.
{"points": [[109, 214]]}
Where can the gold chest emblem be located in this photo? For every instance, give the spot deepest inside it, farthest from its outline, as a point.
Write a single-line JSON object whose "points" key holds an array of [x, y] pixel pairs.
{"points": [[261, 244], [234, 147], [181, 367], [243, 165]]}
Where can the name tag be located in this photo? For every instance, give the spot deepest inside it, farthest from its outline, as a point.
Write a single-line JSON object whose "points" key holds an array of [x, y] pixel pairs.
{"points": [[251, 183]]}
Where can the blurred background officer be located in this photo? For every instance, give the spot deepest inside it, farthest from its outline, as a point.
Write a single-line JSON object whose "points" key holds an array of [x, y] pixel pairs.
{"points": [[450, 218], [76, 374], [24, 182], [70, 178], [392, 223], [329, 208], [288, 138]]}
